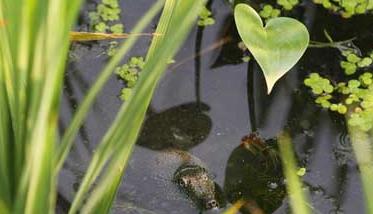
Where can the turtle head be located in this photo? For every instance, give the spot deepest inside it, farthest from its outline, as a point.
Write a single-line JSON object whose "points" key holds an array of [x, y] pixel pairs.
{"points": [[198, 185]]}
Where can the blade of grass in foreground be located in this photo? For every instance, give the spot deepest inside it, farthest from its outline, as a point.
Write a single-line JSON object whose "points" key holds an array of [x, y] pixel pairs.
{"points": [[298, 197], [52, 41], [104, 204], [97, 161], [119, 140], [84, 107], [5, 124], [363, 149], [34, 45]]}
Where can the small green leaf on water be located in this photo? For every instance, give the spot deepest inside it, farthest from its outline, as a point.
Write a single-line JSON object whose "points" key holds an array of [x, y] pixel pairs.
{"points": [[277, 47], [246, 58], [301, 171]]}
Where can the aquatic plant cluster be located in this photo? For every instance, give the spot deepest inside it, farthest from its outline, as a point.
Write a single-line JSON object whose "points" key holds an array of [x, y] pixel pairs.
{"points": [[205, 18], [353, 98], [345, 8], [106, 17], [268, 11], [129, 73]]}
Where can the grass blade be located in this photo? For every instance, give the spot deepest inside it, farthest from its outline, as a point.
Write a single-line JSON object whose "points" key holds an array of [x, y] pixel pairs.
{"points": [[298, 197], [363, 149], [119, 140], [83, 108]]}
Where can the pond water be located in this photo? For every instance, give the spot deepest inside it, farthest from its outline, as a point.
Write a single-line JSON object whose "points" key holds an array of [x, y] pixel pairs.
{"points": [[207, 101]]}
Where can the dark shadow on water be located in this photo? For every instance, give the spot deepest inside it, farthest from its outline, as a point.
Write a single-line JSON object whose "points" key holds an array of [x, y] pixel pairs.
{"points": [[254, 174], [181, 127]]}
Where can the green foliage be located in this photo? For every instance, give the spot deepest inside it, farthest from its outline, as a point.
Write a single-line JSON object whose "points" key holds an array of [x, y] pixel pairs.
{"points": [[353, 98], [114, 151], [362, 146], [354, 62], [318, 84], [299, 197], [288, 4], [347, 8], [205, 18], [112, 49], [106, 17], [129, 73], [301, 171], [269, 12], [287, 36], [33, 54], [31, 83]]}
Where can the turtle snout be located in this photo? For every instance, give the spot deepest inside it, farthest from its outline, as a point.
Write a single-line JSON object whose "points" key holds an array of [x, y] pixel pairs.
{"points": [[211, 204]]}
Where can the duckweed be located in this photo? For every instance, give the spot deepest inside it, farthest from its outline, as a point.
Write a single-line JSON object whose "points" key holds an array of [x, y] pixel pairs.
{"points": [[106, 17], [268, 11], [318, 84], [354, 97], [288, 4], [205, 18], [354, 62], [129, 73], [347, 8], [112, 49]]}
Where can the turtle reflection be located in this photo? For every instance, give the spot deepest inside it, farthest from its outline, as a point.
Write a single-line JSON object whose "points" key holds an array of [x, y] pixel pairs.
{"points": [[181, 127], [254, 174]]}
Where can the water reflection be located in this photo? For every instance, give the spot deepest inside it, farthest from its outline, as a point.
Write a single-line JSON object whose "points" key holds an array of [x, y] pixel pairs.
{"points": [[180, 127], [254, 174], [210, 125]]}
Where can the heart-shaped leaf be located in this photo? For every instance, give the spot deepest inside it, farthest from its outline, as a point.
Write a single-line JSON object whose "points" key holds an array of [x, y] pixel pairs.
{"points": [[277, 47]]}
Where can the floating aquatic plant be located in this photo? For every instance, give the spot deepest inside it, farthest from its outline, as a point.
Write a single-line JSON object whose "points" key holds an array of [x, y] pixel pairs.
{"points": [[106, 17], [354, 97], [277, 47], [347, 8], [205, 18], [268, 11], [129, 73]]}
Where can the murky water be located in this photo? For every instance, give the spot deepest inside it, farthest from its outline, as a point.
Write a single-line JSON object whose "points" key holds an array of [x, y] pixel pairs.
{"points": [[206, 102]]}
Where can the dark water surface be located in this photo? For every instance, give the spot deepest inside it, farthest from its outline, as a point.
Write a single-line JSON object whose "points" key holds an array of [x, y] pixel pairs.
{"points": [[205, 103]]}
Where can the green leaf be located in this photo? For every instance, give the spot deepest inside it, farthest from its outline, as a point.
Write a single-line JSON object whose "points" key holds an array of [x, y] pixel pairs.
{"points": [[277, 47]]}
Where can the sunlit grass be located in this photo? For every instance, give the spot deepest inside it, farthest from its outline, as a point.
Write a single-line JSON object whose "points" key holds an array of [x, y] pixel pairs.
{"points": [[34, 37], [299, 201]]}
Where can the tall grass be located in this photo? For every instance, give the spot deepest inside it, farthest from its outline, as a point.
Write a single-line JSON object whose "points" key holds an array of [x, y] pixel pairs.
{"points": [[362, 147], [299, 201], [34, 37]]}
